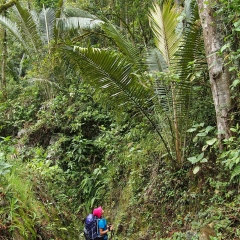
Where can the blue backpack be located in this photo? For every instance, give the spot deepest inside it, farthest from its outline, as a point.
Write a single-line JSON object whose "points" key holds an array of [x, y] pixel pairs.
{"points": [[91, 227]]}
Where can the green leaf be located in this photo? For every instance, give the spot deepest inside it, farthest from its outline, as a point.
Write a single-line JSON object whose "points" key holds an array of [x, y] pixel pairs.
{"points": [[237, 25], [209, 129], [202, 134], [200, 156], [198, 125], [225, 46], [193, 159], [163, 21], [204, 147], [204, 160], [233, 129], [4, 168], [191, 130], [235, 172], [235, 83], [196, 170], [195, 139], [211, 141]]}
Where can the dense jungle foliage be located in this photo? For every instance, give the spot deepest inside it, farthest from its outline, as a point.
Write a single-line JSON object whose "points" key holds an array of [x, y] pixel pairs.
{"points": [[116, 104]]}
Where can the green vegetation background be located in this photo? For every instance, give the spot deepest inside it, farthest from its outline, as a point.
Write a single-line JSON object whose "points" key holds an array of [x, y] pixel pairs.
{"points": [[65, 150]]}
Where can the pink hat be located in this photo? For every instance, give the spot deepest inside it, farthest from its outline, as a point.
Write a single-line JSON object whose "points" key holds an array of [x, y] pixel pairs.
{"points": [[97, 212]]}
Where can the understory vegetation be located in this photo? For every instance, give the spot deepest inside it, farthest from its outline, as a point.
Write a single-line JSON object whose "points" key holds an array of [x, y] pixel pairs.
{"points": [[103, 105]]}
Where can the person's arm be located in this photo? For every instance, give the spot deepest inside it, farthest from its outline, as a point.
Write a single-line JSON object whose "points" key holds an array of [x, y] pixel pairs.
{"points": [[102, 232]]}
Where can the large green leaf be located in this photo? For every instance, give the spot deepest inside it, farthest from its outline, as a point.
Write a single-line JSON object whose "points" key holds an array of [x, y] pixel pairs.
{"points": [[235, 172], [112, 74], [47, 25], [191, 48], [155, 61], [164, 22], [125, 46], [28, 27], [13, 28], [75, 18]]}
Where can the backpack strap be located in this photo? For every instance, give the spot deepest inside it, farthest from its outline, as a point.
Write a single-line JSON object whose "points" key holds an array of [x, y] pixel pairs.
{"points": [[98, 232]]}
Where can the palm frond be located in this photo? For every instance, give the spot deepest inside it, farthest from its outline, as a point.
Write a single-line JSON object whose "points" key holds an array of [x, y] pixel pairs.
{"points": [[13, 28], [112, 74], [125, 46], [163, 22], [73, 18], [155, 61], [191, 48], [47, 24], [191, 11], [78, 22], [27, 25]]}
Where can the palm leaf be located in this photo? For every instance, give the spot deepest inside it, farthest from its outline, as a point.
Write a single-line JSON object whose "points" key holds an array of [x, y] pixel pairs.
{"points": [[191, 48], [182, 93], [75, 18], [27, 26], [78, 22], [163, 22], [112, 74], [155, 61], [124, 45], [47, 24], [13, 28]]}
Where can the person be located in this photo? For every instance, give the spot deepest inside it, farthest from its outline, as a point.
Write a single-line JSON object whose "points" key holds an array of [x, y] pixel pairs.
{"points": [[103, 227]]}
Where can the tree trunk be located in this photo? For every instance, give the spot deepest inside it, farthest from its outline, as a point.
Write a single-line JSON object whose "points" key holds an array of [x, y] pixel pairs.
{"points": [[4, 59], [218, 73]]}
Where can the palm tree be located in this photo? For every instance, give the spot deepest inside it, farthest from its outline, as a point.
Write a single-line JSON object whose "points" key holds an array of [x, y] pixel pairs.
{"points": [[174, 51], [39, 34], [121, 76]]}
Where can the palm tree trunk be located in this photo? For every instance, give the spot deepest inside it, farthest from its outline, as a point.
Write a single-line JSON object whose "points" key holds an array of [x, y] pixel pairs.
{"points": [[218, 73], [176, 128]]}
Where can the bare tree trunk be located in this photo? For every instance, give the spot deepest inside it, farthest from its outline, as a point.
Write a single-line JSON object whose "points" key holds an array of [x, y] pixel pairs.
{"points": [[218, 73]]}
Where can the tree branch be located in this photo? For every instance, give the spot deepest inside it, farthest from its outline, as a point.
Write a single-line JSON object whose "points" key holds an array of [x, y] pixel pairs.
{"points": [[5, 6]]}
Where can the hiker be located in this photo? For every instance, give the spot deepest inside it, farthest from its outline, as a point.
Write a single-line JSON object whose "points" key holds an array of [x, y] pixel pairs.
{"points": [[103, 227]]}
